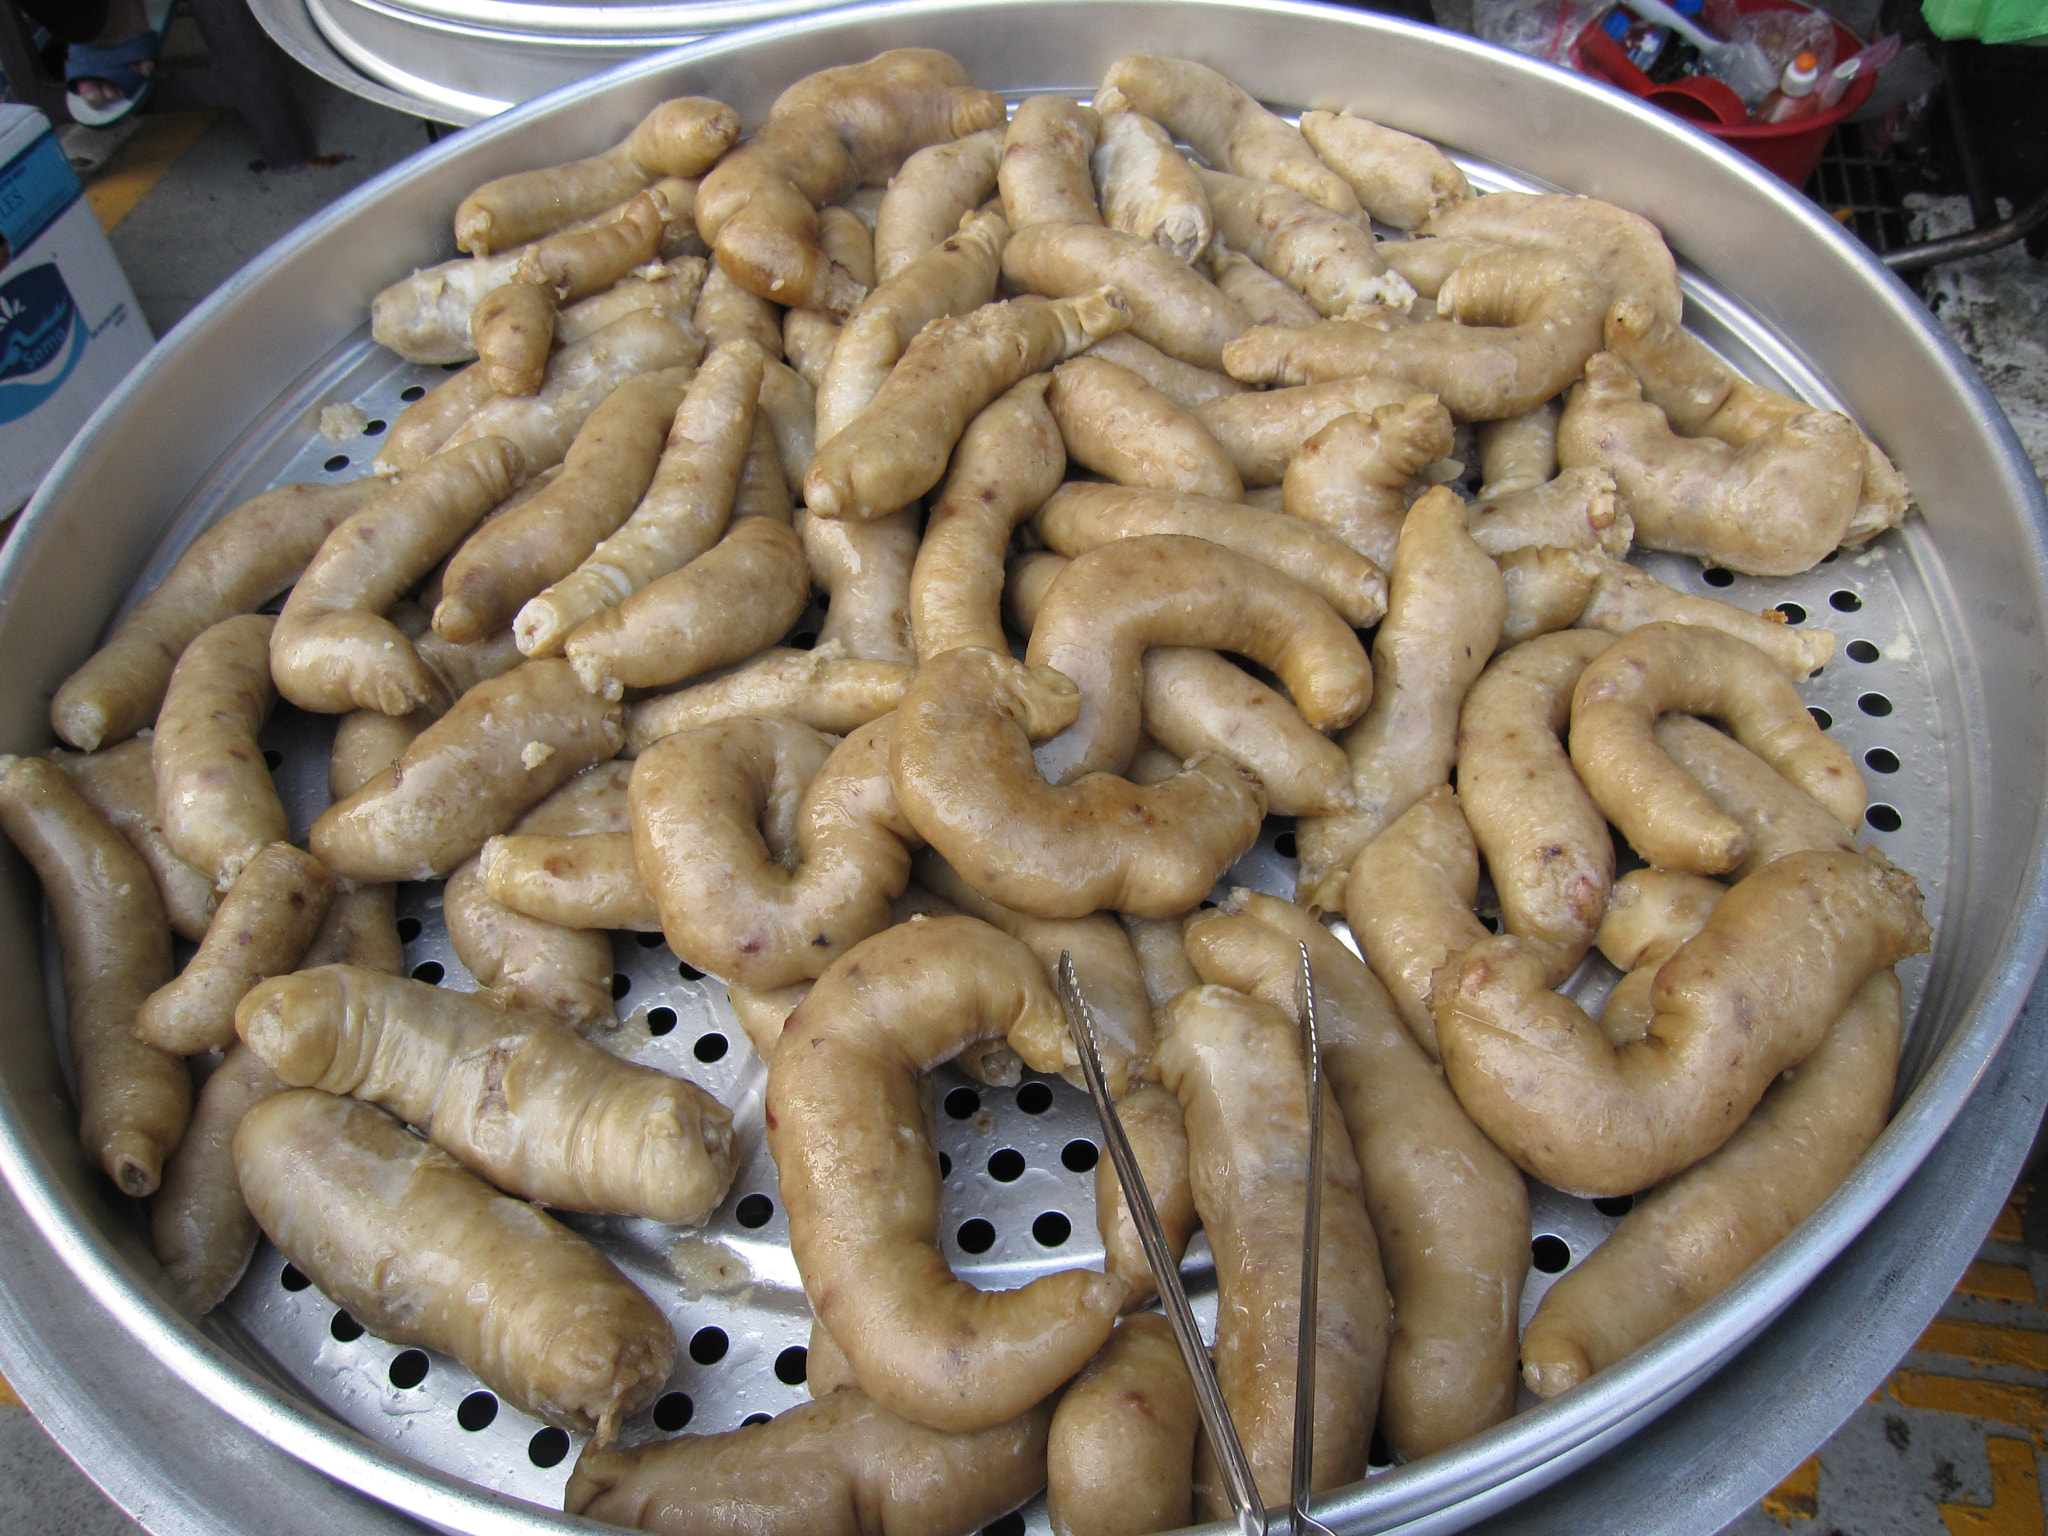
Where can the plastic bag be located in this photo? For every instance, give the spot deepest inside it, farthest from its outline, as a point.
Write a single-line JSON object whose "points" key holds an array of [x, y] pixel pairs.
{"points": [[1992, 21], [1545, 29], [1782, 34]]}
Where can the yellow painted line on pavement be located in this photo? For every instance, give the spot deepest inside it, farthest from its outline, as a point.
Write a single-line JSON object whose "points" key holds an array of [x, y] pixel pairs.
{"points": [[1987, 1346], [140, 164], [7, 1397], [1798, 1497], [1997, 1282], [2015, 1507], [2001, 1402]]}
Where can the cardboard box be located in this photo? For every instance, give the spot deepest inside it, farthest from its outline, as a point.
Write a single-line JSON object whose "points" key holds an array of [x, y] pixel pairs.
{"points": [[70, 328]]}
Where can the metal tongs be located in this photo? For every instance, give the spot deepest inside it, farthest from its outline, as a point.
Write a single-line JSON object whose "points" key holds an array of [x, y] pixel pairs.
{"points": [[1222, 1430]]}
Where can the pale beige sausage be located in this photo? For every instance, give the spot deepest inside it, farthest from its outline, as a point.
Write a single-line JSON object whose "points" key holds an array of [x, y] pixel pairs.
{"points": [[1516, 328], [727, 312], [1044, 173], [1225, 125], [361, 928], [823, 688], [1123, 429], [576, 880], [1324, 255], [1399, 179], [826, 134], [1686, 1242], [738, 596], [1186, 385], [514, 328], [1263, 429], [423, 426], [1236, 1064], [133, 1099], [896, 448], [119, 783], [1158, 1135], [1704, 396], [1104, 610], [1547, 589], [1171, 305], [1547, 847], [213, 789], [677, 515], [1409, 902], [1120, 1459], [333, 649], [1198, 702], [1264, 298], [199, 1226], [1451, 1212], [966, 781], [1445, 604], [529, 1104], [505, 745], [727, 903], [1663, 813], [861, 1187], [1625, 248], [1518, 453], [1625, 597], [529, 962], [1751, 995], [864, 570], [936, 188], [1774, 507], [1010, 459], [957, 274], [1104, 964], [265, 923], [673, 285], [682, 137], [563, 972], [579, 378], [1162, 957], [1351, 475], [253, 553], [1147, 188], [839, 1466], [515, 556], [1088, 515], [421, 1251], [1776, 815], [1580, 509]]}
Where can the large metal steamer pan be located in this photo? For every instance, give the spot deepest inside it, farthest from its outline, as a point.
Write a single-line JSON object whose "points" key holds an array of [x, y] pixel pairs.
{"points": [[244, 372]]}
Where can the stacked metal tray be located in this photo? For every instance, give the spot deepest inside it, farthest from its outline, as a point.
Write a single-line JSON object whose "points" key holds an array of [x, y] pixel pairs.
{"points": [[1945, 637], [460, 61]]}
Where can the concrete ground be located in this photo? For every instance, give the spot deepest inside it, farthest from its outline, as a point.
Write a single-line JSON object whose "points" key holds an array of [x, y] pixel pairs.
{"points": [[1951, 1444]]}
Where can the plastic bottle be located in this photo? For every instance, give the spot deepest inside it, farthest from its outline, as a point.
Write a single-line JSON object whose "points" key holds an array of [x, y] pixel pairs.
{"points": [[1641, 41], [1794, 97]]}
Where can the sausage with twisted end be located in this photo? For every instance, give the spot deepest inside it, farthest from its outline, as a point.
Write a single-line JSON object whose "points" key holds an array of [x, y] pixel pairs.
{"points": [[422, 1251], [860, 1178], [1751, 995]]}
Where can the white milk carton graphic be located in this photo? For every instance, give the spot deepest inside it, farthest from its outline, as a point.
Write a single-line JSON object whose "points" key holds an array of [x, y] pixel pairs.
{"points": [[69, 326]]}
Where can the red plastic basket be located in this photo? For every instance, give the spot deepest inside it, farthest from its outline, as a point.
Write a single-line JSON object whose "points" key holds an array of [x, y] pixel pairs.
{"points": [[1790, 150]]}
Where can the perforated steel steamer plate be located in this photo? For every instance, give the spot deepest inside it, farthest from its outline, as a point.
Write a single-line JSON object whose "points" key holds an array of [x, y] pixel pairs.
{"points": [[1018, 1162], [227, 406]]}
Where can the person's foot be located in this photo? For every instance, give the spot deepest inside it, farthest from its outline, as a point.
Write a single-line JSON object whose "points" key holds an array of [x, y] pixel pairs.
{"points": [[108, 77]]}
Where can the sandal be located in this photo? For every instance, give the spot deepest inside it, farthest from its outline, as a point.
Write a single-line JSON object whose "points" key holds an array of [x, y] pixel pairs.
{"points": [[116, 66]]}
